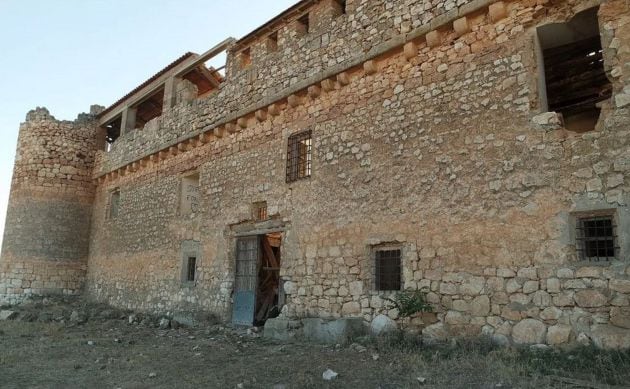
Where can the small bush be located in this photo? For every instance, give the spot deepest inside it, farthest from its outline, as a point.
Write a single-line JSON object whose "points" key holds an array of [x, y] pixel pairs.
{"points": [[410, 302]]}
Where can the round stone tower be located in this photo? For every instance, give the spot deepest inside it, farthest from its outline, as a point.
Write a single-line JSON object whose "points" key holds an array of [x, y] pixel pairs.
{"points": [[46, 237]]}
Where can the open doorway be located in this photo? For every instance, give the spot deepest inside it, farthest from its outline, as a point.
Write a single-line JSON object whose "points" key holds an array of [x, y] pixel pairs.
{"points": [[258, 292], [574, 73]]}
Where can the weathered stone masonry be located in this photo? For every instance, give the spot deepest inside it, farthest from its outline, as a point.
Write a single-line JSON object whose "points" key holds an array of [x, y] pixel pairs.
{"points": [[427, 136]]}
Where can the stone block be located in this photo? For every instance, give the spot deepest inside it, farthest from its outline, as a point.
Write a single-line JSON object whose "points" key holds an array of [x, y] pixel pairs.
{"points": [[480, 306], [529, 331], [622, 286], [410, 50], [553, 285], [551, 313], [434, 38], [610, 337], [350, 308], [383, 324], [261, 115], [461, 26], [314, 91], [294, 100], [332, 331], [277, 329], [620, 316], [435, 332], [590, 298], [528, 273], [497, 11], [558, 334], [472, 286], [7, 315], [343, 78], [273, 109], [370, 67], [328, 85]]}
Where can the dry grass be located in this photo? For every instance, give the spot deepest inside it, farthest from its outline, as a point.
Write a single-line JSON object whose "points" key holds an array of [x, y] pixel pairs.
{"points": [[52, 355]]}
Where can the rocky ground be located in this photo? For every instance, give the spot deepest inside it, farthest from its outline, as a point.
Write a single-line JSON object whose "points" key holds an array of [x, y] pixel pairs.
{"points": [[73, 344]]}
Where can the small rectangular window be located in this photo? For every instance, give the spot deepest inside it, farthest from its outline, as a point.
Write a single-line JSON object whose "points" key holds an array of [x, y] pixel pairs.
{"points": [[304, 23], [272, 41], [299, 156], [387, 269], [189, 196], [245, 58], [343, 4], [191, 269], [596, 238], [259, 210], [114, 203]]}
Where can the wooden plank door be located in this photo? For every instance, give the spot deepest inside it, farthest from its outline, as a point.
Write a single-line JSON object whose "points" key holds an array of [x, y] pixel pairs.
{"points": [[246, 280]]}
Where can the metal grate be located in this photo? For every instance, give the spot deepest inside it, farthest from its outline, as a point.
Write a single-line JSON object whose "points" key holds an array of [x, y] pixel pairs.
{"points": [[260, 210], [247, 259], [299, 156], [387, 270], [596, 238], [192, 268]]}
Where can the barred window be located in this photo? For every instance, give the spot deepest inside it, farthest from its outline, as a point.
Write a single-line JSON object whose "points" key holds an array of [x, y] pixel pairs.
{"points": [[387, 269], [191, 269], [299, 156], [259, 210], [596, 238]]}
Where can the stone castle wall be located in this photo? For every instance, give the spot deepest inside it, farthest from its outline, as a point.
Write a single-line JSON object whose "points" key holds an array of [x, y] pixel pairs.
{"points": [[46, 239], [437, 149]]}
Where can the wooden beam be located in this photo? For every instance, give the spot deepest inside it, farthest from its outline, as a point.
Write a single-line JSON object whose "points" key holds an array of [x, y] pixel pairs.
{"points": [[269, 252]]}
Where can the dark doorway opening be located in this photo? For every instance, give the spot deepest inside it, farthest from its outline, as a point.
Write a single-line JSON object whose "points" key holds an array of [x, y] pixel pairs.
{"points": [[575, 77]]}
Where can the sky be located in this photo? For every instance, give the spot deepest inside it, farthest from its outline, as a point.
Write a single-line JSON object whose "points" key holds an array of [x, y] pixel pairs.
{"points": [[66, 55]]}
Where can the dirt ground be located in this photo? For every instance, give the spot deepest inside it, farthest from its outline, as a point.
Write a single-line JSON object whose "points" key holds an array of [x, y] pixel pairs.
{"points": [[72, 344]]}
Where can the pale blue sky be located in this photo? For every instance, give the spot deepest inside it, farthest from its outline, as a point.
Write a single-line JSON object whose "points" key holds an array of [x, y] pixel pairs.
{"points": [[68, 54]]}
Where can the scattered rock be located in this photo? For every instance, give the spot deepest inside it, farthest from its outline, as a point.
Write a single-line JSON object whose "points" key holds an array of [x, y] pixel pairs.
{"points": [[435, 332], [8, 315], [358, 348], [583, 339], [329, 375], [547, 121], [164, 323], [383, 324], [28, 317], [78, 318]]}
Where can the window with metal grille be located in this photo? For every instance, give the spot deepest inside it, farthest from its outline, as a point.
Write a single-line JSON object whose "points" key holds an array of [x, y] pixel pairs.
{"points": [[387, 269], [596, 238], [191, 268], [260, 210], [299, 156]]}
